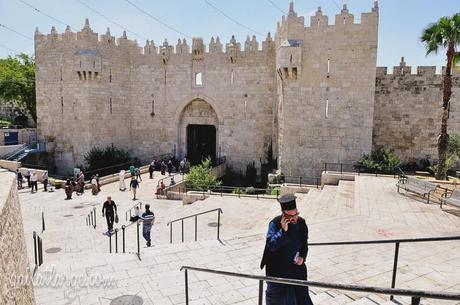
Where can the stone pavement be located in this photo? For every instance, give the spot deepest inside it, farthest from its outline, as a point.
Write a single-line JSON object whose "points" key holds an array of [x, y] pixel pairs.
{"points": [[369, 208]]}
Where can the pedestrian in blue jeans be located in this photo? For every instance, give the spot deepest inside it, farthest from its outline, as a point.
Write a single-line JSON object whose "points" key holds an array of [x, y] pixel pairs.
{"points": [[148, 219]]}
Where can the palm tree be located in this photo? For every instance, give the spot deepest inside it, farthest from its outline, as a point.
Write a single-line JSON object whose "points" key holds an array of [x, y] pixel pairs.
{"points": [[444, 34]]}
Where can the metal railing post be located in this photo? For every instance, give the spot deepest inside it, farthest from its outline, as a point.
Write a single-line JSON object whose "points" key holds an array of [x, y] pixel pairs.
{"points": [[300, 181], [182, 230], [123, 229], [415, 301], [110, 242], [35, 248], [43, 222], [95, 218], [341, 168], [277, 193], [261, 292], [86, 220], [170, 233], [116, 240], [91, 218], [40, 250], [325, 167], [395, 267], [186, 287], [196, 228], [218, 224], [138, 241]]}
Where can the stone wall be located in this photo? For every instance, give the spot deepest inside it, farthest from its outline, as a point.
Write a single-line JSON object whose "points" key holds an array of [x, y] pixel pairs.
{"points": [[407, 116], [14, 263]]}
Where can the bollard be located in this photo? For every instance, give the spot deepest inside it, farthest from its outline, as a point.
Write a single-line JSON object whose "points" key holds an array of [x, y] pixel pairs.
{"points": [[123, 228], [116, 240]]}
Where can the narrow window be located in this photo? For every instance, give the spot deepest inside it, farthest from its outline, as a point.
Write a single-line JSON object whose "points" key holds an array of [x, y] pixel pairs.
{"points": [[62, 105], [80, 63], [327, 108], [286, 72], [61, 74], [84, 75], [111, 106], [89, 75], [232, 77], [153, 106], [294, 73], [328, 66], [290, 59], [96, 75], [94, 64], [344, 20], [198, 79], [402, 71], [110, 75], [79, 75]]}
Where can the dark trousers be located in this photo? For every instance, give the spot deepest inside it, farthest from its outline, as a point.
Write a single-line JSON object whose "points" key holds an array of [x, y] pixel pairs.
{"points": [[19, 183], [151, 174], [146, 232], [279, 294], [45, 185], [110, 218], [28, 181], [34, 184]]}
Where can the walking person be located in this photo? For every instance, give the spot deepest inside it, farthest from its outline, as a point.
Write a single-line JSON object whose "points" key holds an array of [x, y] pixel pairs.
{"points": [[132, 171], [94, 186], [182, 166], [68, 187], [134, 185], [109, 211], [148, 219], [163, 168], [34, 182], [19, 178], [170, 167], [151, 169], [121, 177], [138, 174], [284, 256], [81, 182], [98, 183], [45, 181], [27, 175]]}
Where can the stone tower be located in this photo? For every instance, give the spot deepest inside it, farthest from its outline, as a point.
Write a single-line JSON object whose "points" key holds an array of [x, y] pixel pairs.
{"points": [[325, 89]]}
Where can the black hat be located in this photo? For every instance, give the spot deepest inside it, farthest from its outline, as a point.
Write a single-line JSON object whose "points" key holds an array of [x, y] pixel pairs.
{"points": [[287, 202]]}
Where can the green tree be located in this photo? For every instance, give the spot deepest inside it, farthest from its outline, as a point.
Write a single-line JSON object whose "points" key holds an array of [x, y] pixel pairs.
{"points": [[200, 177], [17, 82], [444, 34]]}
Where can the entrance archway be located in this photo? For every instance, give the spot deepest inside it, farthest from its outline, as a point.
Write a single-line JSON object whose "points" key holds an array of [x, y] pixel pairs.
{"points": [[201, 143], [198, 132]]}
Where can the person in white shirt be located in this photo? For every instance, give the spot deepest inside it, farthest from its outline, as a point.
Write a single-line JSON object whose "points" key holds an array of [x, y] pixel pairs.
{"points": [[34, 182]]}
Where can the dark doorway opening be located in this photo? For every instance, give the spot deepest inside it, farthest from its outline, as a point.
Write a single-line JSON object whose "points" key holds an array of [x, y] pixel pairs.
{"points": [[201, 143]]}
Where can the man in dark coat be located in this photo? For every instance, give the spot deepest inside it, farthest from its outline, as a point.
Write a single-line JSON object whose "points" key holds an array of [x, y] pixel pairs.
{"points": [[109, 211], [284, 255]]}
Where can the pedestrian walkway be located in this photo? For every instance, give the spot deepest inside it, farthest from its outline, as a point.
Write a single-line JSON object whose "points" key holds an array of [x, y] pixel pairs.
{"points": [[369, 208]]}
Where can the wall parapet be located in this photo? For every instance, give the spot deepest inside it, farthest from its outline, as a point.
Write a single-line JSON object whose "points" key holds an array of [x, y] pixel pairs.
{"points": [[404, 70]]}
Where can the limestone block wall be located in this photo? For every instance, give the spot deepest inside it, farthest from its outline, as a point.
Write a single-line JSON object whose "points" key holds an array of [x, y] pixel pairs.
{"points": [[327, 96], [407, 115], [15, 275], [97, 90]]}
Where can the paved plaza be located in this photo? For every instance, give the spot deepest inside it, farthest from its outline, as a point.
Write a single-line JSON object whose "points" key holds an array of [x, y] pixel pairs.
{"points": [[368, 208]]}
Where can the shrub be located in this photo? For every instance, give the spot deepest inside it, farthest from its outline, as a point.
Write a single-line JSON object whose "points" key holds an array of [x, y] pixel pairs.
{"points": [[275, 191], [380, 160], [238, 190], [109, 156], [250, 190], [200, 177]]}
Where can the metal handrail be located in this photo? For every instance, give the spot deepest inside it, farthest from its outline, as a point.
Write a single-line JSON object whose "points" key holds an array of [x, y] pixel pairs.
{"points": [[302, 180], [169, 224], [416, 295], [171, 176], [138, 204], [259, 192], [387, 241], [15, 152]]}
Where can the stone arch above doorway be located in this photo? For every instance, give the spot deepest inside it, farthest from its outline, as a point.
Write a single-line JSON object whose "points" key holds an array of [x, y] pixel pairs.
{"points": [[198, 115]]}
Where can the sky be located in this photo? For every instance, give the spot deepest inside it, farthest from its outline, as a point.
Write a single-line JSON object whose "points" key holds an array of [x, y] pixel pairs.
{"points": [[401, 21]]}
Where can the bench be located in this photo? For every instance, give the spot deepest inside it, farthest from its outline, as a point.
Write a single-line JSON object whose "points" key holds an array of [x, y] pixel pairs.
{"points": [[453, 199], [417, 186]]}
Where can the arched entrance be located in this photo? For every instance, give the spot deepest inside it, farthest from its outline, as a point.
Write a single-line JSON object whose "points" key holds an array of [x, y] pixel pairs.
{"points": [[198, 131]]}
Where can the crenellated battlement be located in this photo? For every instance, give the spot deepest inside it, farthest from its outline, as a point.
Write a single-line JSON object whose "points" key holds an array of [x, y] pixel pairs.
{"points": [[293, 23], [403, 70], [87, 37]]}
